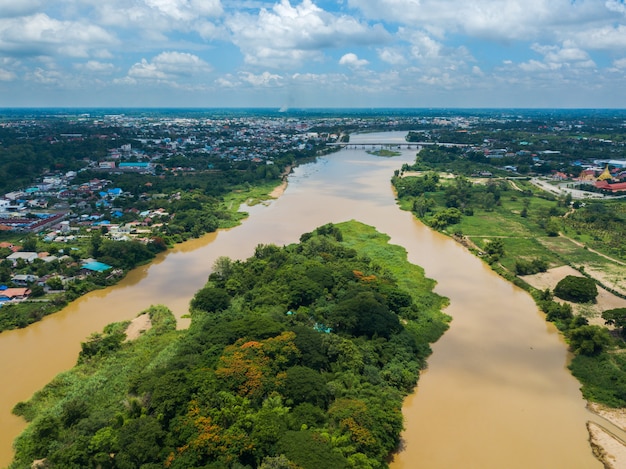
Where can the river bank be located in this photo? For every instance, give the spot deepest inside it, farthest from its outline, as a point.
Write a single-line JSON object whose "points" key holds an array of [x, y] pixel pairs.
{"points": [[607, 447]]}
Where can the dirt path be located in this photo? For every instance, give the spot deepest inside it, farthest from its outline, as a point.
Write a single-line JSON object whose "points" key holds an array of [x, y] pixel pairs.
{"points": [[578, 243], [138, 326]]}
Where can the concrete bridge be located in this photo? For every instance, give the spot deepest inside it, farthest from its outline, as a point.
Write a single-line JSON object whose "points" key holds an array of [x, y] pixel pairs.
{"points": [[392, 145]]}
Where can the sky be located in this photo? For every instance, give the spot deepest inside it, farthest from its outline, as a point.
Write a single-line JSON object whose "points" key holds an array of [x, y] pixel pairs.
{"points": [[313, 53]]}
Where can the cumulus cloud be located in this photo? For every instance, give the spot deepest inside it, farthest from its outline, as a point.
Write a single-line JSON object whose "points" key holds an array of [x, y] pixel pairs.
{"points": [[169, 67], [288, 35], [410, 45], [492, 19], [555, 57], [352, 60], [153, 20], [607, 37], [41, 35], [133, 12], [423, 46]]}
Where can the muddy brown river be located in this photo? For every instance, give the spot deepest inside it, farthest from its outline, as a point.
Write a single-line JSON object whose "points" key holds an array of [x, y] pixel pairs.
{"points": [[497, 393]]}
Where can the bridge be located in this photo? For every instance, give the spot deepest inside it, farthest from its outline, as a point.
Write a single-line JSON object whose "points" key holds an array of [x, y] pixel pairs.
{"points": [[392, 145]]}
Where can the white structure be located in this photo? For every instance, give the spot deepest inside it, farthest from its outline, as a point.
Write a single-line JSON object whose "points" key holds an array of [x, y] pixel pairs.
{"points": [[27, 256], [4, 204]]}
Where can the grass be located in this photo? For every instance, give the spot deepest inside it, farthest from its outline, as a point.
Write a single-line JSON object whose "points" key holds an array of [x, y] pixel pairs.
{"points": [[432, 323], [575, 254], [384, 152]]}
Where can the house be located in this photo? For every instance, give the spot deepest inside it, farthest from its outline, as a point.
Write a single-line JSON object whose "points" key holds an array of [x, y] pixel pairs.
{"points": [[94, 266], [9, 294], [23, 280], [26, 256]]}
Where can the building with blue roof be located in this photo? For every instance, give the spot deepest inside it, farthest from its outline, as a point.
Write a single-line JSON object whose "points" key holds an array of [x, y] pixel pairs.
{"points": [[96, 266]]}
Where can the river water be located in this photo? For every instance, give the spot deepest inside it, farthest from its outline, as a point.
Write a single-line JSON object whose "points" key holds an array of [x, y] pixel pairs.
{"points": [[497, 393]]}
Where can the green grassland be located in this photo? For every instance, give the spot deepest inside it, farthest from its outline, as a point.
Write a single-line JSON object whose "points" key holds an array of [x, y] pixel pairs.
{"points": [[513, 225]]}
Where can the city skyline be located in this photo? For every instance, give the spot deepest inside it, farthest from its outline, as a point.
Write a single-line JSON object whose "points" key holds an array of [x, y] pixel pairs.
{"points": [[307, 54]]}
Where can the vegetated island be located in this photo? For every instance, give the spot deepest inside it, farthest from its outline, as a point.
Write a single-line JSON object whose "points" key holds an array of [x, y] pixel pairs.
{"points": [[567, 253], [280, 367]]}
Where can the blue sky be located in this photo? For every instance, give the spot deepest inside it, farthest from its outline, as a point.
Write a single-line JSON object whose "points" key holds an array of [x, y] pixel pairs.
{"points": [[313, 53]]}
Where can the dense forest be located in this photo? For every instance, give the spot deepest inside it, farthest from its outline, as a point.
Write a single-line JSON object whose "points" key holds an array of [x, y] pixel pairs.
{"points": [[299, 357]]}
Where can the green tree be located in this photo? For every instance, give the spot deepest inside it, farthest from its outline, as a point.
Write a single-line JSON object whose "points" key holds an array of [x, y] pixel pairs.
{"points": [[37, 291], [576, 289], [95, 243], [278, 462], [589, 340], [495, 249], [304, 384], [140, 441], [54, 283], [615, 317], [211, 299], [449, 216], [29, 243], [309, 451], [553, 227]]}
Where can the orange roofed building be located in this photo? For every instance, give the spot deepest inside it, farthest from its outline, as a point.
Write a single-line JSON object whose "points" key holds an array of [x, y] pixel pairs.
{"points": [[14, 293], [606, 186]]}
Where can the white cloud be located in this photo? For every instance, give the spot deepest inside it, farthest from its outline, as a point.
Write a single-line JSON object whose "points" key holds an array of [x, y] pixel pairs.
{"points": [[352, 60], [616, 6], [620, 63], [45, 77], [607, 37], [536, 66], [263, 80], [186, 10], [227, 81], [151, 20], [96, 67], [567, 53], [169, 67], [491, 19], [391, 56], [288, 35], [41, 35], [6, 75], [423, 46], [555, 57], [11, 8]]}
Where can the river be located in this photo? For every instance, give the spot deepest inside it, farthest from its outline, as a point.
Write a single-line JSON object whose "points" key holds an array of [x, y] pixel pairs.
{"points": [[497, 393]]}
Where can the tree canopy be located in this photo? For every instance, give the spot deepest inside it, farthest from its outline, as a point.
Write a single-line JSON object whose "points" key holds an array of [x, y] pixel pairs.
{"points": [[576, 289]]}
